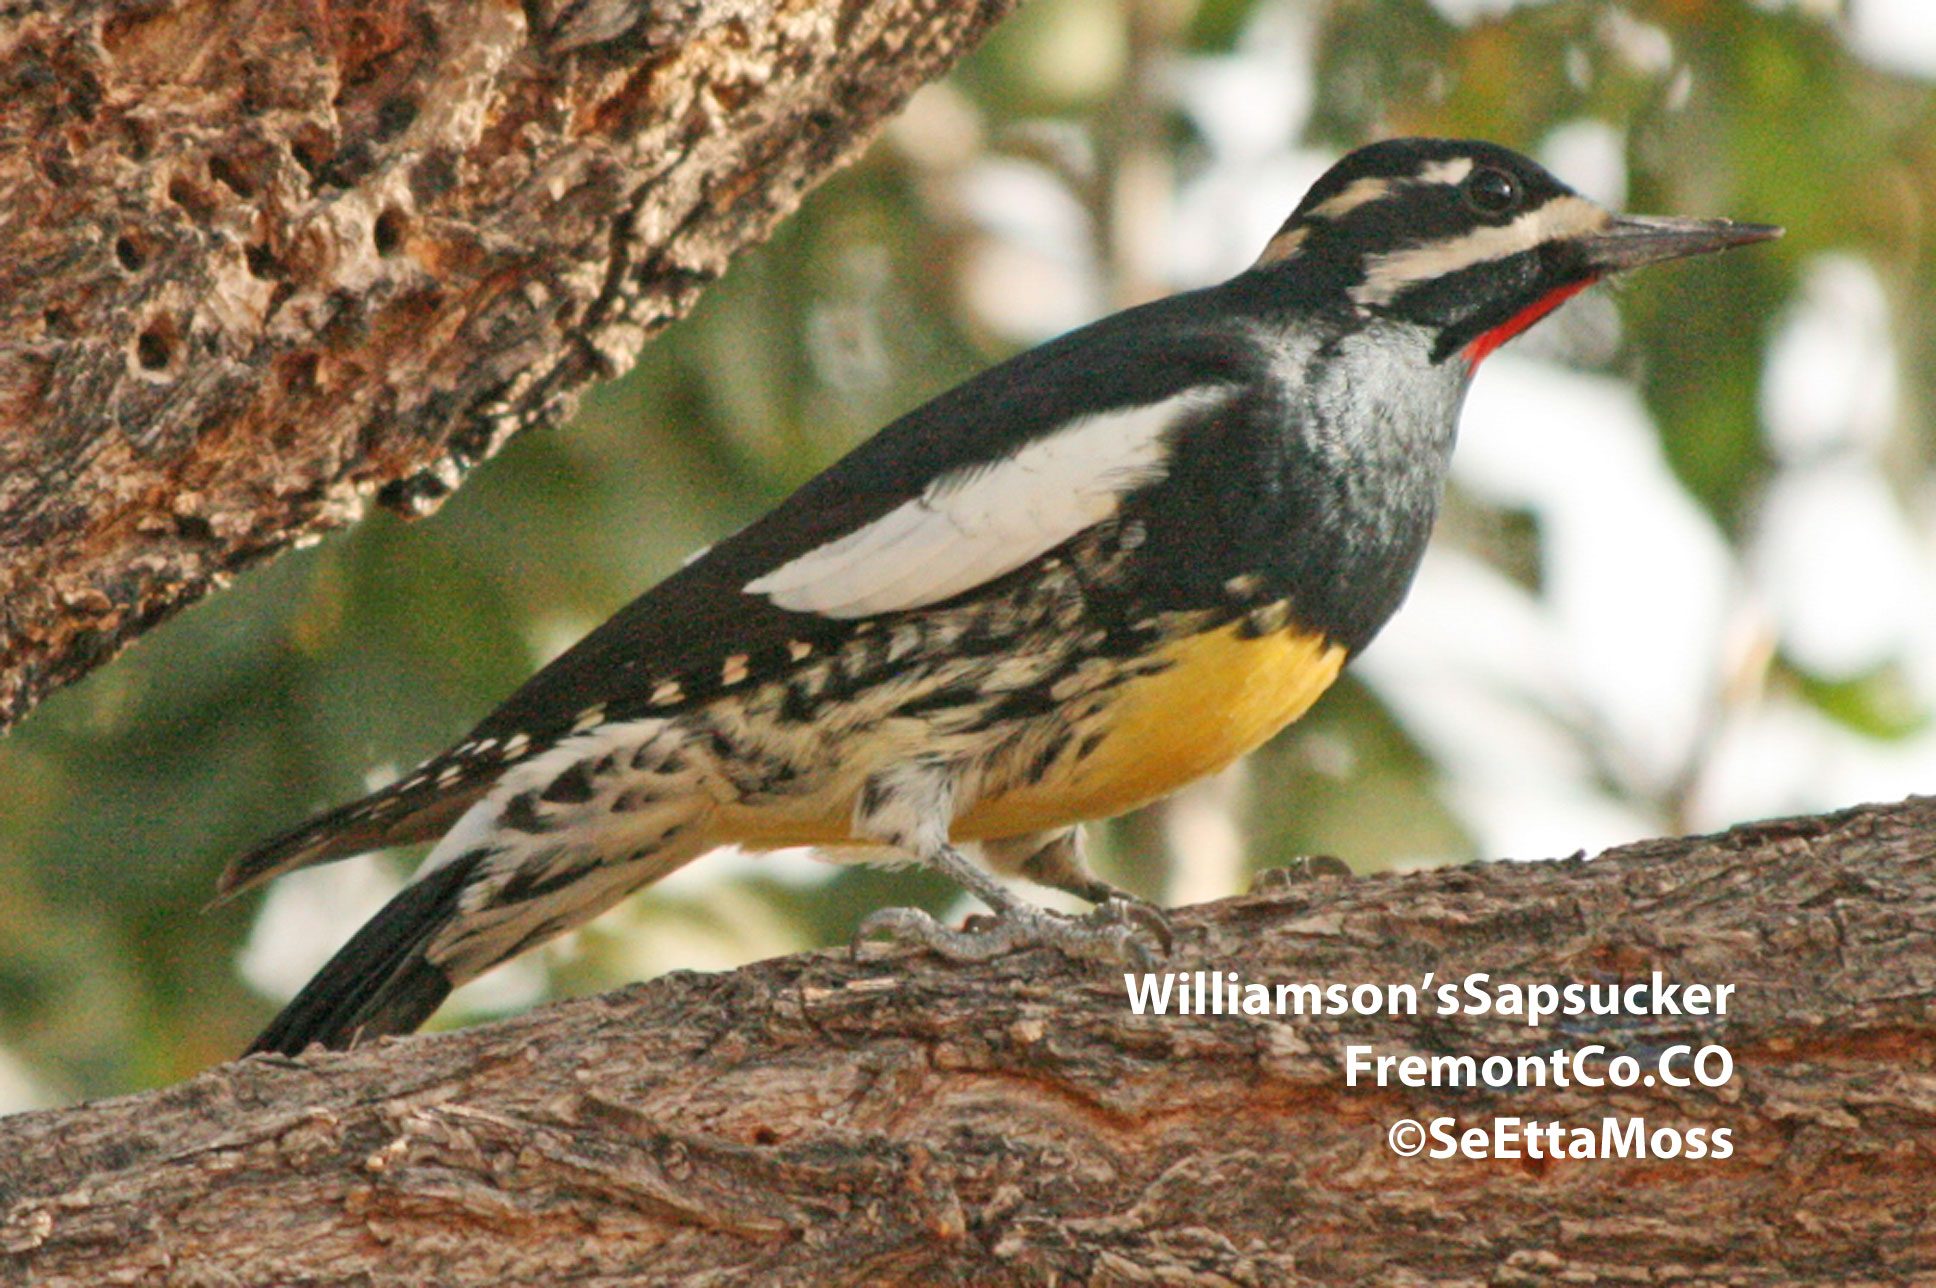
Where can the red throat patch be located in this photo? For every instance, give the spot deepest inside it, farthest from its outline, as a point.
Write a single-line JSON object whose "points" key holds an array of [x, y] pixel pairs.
{"points": [[1481, 346]]}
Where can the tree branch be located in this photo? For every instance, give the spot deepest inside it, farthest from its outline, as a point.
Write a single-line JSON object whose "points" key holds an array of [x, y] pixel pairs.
{"points": [[812, 1120], [264, 262]]}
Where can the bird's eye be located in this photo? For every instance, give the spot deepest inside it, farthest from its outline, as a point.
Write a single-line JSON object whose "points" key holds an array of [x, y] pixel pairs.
{"points": [[1491, 192]]}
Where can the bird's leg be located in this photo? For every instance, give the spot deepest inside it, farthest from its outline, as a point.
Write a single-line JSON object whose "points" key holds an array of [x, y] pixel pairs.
{"points": [[1056, 859], [910, 808]]}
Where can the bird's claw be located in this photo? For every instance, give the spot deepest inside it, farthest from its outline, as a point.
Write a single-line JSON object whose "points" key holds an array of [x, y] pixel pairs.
{"points": [[1138, 916], [1114, 931]]}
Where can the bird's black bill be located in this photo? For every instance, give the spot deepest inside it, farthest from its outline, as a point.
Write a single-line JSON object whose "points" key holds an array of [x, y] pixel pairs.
{"points": [[1633, 240]]}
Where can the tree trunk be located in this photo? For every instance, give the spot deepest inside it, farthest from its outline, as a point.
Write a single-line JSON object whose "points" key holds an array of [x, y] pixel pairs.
{"points": [[816, 1121], [264, 262]]}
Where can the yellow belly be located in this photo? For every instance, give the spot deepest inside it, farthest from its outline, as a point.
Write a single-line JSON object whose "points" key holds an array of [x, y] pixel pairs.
{"points": [[1223, 696]]}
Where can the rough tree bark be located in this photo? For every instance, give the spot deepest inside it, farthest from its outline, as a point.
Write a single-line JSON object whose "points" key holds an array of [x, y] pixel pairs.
{"points": [[816, 1121], [263, 262]]}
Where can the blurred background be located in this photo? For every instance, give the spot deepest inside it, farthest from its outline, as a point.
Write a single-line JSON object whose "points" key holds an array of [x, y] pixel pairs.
{"points": [[1686, 576]]}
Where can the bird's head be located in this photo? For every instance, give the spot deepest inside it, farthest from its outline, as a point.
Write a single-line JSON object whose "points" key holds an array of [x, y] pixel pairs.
{"points": [[1468, 239]]}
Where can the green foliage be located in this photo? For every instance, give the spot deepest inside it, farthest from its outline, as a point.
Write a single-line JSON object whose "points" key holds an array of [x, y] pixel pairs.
{"points": [[1881, 704]]}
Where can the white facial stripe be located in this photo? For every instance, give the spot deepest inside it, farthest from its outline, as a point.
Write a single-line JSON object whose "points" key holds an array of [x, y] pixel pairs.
{"points": [[969, 527], [1388, 274], [1454, 171], [1357, 193], [1362, 192]]}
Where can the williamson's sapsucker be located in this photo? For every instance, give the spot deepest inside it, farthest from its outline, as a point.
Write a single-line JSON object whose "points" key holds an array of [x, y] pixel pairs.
{"points": [[1067, 587]]}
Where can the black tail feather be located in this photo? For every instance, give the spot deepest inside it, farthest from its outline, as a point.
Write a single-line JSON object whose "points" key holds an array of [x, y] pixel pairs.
{"points": [[393, 816], [380, 982]]}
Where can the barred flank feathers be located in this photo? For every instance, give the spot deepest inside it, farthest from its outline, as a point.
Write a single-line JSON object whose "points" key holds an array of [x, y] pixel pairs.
{"points": [[380, 982]]}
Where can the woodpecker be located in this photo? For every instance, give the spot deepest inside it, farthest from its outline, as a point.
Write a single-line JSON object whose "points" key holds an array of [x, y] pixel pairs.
{"points": [[1063, 589]]}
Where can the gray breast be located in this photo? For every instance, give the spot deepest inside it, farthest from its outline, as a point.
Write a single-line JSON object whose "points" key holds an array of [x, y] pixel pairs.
{"points": [[1376, 420]]}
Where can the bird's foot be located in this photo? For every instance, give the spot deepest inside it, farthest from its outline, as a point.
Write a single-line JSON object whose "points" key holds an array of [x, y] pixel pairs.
{"points": [[1118, 930]]}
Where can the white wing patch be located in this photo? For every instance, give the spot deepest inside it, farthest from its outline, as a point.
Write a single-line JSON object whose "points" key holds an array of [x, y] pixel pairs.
{"points": [[973, 525]]}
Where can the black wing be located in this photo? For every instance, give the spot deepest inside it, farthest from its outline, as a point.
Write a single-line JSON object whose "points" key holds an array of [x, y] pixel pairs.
{"points": [[680, 642]]}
